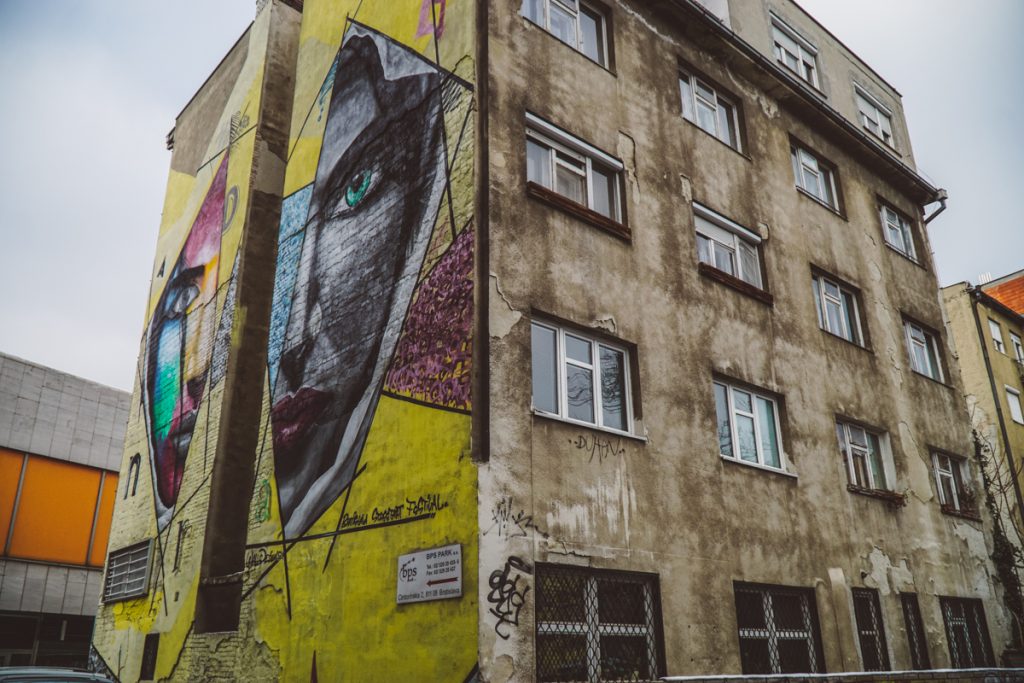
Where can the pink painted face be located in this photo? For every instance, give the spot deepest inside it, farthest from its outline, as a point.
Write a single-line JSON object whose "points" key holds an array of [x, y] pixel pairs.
{"points": [[180, 345]]}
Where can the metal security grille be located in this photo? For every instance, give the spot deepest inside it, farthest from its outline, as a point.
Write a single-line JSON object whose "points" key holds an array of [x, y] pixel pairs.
{"points": [[778, 629], [870, 630], [597, 625], [915, 632], [127, 573], [967, 633]]}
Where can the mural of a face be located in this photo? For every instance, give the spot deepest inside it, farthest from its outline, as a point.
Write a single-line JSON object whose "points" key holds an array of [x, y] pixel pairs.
{"points": [[373, 205], [179, 348]]}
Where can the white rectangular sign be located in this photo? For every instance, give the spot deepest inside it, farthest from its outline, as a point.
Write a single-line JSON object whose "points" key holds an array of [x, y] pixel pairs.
{"points": [[434, 574]]}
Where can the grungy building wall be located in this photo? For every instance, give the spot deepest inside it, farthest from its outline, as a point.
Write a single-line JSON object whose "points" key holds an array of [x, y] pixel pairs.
{"points": [[296, 447]]}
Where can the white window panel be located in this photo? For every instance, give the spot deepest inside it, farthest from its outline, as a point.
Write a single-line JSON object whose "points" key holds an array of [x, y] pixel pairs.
{"points": [[897, 231], [950, 476], [997, 335], [574, 169], [581, 379], [866, 454], [1018, 347], [727, 245], [876, 118], [580, 25], [814, 177], [1013, 398], [795, 53], [923, 349], [709, 109], [838, 311], [748, 426]]}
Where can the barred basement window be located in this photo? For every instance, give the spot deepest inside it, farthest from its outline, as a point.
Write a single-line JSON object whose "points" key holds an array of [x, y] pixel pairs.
{"points": [[967, 633], [127, 572], [874, 654], [915, 632], [778, 629], [597, 625]]}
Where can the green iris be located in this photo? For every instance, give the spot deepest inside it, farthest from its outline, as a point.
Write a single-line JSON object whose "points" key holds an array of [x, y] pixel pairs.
{"points": [[357, 188]]}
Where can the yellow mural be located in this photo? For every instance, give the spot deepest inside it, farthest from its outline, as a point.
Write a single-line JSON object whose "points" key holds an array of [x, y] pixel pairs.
{"points": [[364, 441]]}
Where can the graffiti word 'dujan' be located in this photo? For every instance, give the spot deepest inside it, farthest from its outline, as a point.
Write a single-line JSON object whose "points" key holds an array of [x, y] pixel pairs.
{"points": [[598, 446]]}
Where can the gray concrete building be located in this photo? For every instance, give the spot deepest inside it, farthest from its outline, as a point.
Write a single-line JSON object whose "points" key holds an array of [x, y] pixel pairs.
{"points": [[60, 449]]}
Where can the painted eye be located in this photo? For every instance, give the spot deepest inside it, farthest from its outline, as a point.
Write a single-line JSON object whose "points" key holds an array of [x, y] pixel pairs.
{"points": [[183, 298], [358, 185]]}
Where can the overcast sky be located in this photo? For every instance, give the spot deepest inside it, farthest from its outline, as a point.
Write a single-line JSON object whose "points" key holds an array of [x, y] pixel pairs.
{"points": [[90, 88]]}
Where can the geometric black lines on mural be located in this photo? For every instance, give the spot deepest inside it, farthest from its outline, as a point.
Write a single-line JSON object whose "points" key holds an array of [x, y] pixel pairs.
{"points": [[428, 404], [390, 517]]}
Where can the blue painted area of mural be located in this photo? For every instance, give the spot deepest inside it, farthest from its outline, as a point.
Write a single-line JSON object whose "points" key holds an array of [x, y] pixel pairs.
{"points": [[325, 89], [294, 210]]}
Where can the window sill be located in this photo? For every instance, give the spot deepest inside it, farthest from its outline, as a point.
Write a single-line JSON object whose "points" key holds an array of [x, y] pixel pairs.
{"points": [[739, 285], [895, 500], [846, 341], [718, 139], [588, 425], [963, 514], [821, 203], [930, 378], [904, 255], [758, 466], [578, 210]]}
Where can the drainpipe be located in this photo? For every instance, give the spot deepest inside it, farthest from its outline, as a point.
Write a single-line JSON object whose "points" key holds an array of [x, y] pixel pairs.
{"points": [[941, 196], [975, 295]]}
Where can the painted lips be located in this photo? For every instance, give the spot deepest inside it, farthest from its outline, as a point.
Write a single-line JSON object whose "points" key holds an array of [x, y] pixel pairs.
{"points": [[294, 415]]}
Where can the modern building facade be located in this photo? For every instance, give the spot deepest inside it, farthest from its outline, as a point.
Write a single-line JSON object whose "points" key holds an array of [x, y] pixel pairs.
{"points": [[546, 340], [60, 448]]}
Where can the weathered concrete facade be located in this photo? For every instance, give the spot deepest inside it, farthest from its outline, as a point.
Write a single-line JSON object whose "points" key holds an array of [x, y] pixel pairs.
{"points": [[462, 182]]}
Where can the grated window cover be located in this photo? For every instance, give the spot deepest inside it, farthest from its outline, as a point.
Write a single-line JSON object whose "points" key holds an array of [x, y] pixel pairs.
{"points": [[597, 625], [778, 629], [915, 632], [127, 573], [870, 630], [966, 633]]}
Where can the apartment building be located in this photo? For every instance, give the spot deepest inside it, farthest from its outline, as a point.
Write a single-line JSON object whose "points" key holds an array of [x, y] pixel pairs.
{"points": [[546, 340], [60, 446]]}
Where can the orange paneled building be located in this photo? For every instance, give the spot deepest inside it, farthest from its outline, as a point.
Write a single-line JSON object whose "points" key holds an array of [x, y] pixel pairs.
{"points": [[60, 449]]}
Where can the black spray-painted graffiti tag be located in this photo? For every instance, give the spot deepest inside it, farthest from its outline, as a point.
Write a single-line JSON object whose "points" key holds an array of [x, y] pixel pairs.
{"points": [[506, 596], [598, 446], [511, 524]]}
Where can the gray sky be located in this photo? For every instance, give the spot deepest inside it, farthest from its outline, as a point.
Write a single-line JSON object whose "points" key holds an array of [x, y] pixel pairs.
{"points": [[91, 87]]}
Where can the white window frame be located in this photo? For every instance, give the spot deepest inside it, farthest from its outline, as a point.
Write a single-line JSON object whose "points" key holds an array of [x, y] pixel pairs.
{"points": [[574, 8], [721, 106], [874, 116], [561, 378], [558, 141], [799, 49], [1013, 399], [996, 330], [846, 294], [946, 467], [1018, 346], [755, 415], [121, 566], [729, 234], [929, 342], [849, 450], [894, 221], [814, 176]]}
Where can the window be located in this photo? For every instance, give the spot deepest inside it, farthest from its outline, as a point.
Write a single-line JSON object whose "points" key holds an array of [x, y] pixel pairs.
{"points": [[579, 25], [567, 366], [709, 109], [748, 426], [597, 625], [924, 351], [815, 176], [572, 168], [150, 649], [919, 660], [997, 335], [127, 573], [862, 453], [897, 232], [954, 495], [727, 246], [967, 633], [1018, 348], [1013, 398], [837, 309], [778, 630], [795, 53], [874, 653], [874, 116]]}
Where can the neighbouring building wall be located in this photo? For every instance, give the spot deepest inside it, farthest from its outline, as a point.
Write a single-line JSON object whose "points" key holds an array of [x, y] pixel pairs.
{"points": [[561, 496], [60, 445], [358, 450]]}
